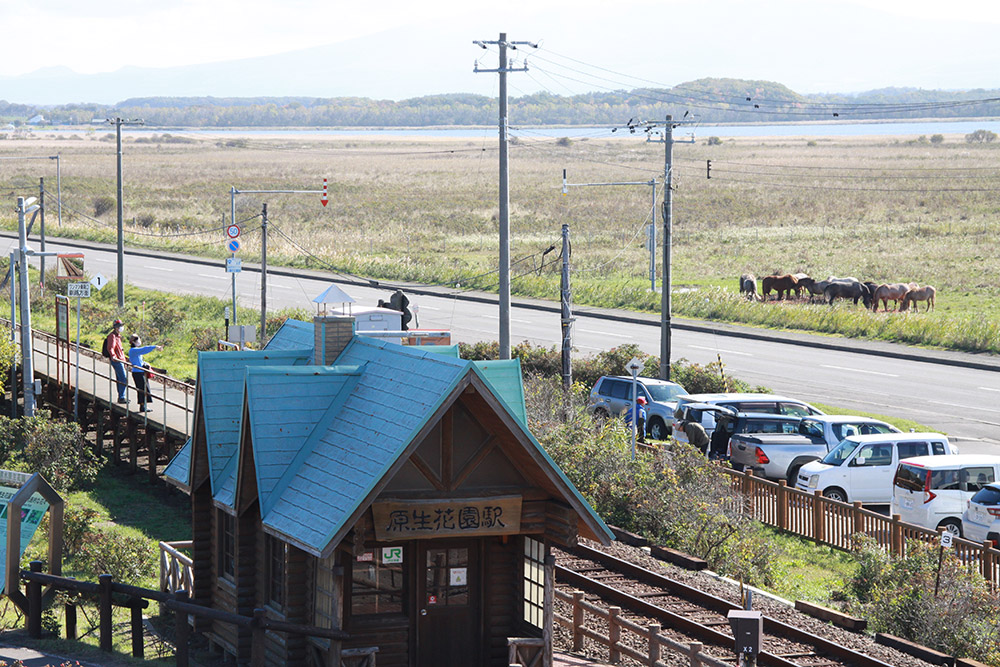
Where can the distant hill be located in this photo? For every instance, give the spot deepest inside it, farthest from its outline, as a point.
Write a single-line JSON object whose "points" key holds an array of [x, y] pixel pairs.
{"points": [[710, 100]]}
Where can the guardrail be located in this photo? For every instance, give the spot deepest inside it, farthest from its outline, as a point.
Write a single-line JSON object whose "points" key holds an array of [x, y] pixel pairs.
{"points": [[834, 523], [176, 568]]}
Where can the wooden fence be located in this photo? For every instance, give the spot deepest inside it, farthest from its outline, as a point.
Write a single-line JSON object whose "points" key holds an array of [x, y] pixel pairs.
{"points": [[623, 635], [835, 524]]}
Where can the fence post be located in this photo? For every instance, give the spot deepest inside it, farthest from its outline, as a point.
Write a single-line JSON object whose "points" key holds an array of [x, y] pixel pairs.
{"points": [[549, 608], [70, 611], [986, 564], [104, 581], [135, 619], [819, 519], [151, 449], [653, 633], [257, 657], [35, 603], [694, 648], [577, 621], [101, 421], [116, 437], [896, 540], [182, 631], [857, 518], [748, 491], [132, 431], [614, 635], [782, 518]]}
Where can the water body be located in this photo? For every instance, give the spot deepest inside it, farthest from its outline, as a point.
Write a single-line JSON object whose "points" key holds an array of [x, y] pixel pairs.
{"points": [[893, 129]]}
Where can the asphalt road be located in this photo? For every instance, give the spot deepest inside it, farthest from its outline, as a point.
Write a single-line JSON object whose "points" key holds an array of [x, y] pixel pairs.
{"points": [[951, 397]]}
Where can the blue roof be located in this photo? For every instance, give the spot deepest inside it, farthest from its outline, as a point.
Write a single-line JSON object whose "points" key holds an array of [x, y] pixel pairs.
{"points": [[220, 388], [179, 467], [504, 377], [293, 335]]}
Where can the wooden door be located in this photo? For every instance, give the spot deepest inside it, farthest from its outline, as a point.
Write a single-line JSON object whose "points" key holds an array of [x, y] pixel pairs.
{"points": [[448, 604]]}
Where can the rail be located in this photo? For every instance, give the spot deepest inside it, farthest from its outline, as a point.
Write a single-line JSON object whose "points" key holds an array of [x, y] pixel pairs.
{"points": [[834, 523], [176, 568]]}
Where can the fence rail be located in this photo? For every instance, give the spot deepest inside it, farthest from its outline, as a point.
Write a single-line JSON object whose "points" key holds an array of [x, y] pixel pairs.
{"points": [[835, 524], [623, 636], [176, 568]]}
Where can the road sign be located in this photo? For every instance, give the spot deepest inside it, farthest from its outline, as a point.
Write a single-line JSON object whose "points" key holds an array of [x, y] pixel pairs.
{"points": [[232, 231], [79, 290], [232, 245], [233, 265], [634, 366], [99, 281]]}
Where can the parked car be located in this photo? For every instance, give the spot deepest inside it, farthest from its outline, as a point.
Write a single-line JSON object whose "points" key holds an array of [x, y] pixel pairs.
{"points": [[728, 422], [780, 455], [934, 491], [612, 395], [766, 403], [981, 521], [861, 467]]}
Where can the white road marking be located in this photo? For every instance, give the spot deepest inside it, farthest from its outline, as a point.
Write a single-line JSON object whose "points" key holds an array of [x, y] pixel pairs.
{"points": [[605, 333], [428, 308], [209, 275], [963, 405], [159, 268], [715, 349], [497, 317], [858, 370], [988, 388]]}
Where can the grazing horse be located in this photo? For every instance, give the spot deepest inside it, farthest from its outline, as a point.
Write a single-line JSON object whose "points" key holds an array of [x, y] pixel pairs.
{"points": [[748, 287], [925, 293], [890, 292], [804, 283], [782, 285], [847, 288]]}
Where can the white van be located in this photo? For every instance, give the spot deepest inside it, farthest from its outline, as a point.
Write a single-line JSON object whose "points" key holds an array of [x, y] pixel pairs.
{"points": [[861, 466], [933, 491]]}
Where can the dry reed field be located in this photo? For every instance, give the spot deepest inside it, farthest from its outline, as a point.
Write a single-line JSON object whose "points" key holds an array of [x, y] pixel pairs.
{"points": [[885, 209]]}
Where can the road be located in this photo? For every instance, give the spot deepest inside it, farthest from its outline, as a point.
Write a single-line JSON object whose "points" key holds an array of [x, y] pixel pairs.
{"points": [[960, 401]]}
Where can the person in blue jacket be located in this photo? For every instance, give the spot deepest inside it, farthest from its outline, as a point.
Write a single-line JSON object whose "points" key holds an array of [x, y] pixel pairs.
{"points": [[640, 422], [135, 354]]}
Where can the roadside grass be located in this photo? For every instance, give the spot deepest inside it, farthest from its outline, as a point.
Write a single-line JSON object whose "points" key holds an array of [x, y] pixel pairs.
{"points": [[808, 571], [902, 424], [424, 210]]}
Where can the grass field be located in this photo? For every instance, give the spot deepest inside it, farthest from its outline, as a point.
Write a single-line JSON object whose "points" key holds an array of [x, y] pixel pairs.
{"points": [[879, 208]]}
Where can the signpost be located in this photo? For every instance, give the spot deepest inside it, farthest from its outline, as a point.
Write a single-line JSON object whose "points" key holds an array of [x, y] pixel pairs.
{"points": [[81, 291], [634, 366]]}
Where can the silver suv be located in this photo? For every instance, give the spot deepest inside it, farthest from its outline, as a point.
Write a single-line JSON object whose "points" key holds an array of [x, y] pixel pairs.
{"points": [[612, 395]]}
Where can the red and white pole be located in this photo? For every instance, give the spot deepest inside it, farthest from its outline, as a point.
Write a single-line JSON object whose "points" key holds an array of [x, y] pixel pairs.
{"points": [[324, 199]]}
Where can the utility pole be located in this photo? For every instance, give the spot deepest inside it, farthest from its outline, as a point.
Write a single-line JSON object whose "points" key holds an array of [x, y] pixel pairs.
{"points": [[504, 265], [25, 206], [118, 122], [263, 277], [566, 301], [41, 221]]}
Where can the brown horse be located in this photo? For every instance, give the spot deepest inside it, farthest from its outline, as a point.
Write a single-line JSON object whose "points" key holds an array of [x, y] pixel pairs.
{"points": [[782, 285], [925, 293], [890, 292]]}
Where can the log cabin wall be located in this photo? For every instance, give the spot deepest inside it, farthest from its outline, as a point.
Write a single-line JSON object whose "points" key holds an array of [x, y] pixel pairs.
{"points": [[203, 538], [501, 596]]}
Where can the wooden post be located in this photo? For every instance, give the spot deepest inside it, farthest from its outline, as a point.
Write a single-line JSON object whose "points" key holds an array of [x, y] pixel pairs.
{"points": [[257, 657], [100, 424], [782, 518], [548, 608], [116, 437], [748, 490], [135, 618], [857, 519], [819, 518], [896, 537], [577, 622], [182, 631], [133, 444], [151, 451], [614, 635], [987, 562], [70, 610], [104, 581], [694, 648], [653, 635], [35, 603]]}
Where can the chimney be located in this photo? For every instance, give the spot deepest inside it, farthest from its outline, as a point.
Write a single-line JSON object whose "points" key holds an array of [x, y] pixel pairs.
{"points": [[333, 333]]}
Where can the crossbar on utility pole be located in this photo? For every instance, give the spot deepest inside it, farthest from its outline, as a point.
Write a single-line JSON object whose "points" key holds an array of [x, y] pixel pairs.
{"points": [[118, 122], [504, 258]]}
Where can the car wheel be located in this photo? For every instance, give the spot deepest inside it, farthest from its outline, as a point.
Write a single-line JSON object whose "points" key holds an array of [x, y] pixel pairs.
{"points": [[953, 526], [600, 413], [793, 475], [658, 430], [833, 493]]}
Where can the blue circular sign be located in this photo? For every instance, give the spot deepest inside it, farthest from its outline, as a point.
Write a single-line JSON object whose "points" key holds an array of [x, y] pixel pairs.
{"points": [[233, 245]]}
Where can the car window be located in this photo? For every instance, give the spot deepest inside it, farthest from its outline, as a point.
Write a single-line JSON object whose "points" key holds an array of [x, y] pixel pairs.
{"points": [[664, 392], [910, 477], [988, 495], [620, 389], [794, 409], [605, 388], [841, 453], [946, 480], [874, 429], [939, 448], [873, 455], [769, 407], [907, 450], [808, 427], [974, 479]]}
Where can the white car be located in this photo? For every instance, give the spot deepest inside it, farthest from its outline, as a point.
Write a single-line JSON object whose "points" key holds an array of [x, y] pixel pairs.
{"points": [[981, 521], [933, 491], [861, 467], [763, 403]]}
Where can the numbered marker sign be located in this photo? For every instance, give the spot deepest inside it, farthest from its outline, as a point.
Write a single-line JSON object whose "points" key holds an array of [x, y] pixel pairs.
{"points": [[946, 539], [99, 281]]}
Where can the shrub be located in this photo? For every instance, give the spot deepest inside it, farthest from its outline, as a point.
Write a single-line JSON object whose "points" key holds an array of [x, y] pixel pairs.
{"points": [[937, 138], [714, 141], [78, 528], [128, 559], [103, 204], [980, 137], [564, 141], [56, 450]]}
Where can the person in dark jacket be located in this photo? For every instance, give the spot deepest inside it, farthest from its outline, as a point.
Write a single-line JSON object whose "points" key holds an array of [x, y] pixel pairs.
{"points": [[116, 355]]}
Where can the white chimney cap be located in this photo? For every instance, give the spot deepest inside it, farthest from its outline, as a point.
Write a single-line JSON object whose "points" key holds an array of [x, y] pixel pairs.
{"points": [[333, 294]]}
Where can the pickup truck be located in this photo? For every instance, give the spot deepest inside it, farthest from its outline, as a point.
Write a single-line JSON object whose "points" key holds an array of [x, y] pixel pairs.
{"points": [[780, 455]]}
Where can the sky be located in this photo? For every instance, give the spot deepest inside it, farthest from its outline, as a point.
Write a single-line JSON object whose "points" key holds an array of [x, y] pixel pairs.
{"points": [[405, 49]]}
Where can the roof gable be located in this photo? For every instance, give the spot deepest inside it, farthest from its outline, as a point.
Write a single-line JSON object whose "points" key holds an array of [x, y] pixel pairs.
{"points": [[504, 377], [293, 335]]}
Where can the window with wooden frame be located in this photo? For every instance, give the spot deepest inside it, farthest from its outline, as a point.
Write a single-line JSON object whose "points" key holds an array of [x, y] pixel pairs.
{"points": [[533, 582], [274, 558], [377, 582], [226, 528]]}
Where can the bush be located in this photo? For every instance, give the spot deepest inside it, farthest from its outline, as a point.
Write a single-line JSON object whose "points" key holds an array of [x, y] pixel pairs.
{"points": [[56, 450], [127, 559], [564, 141], [980, 137], [897, 595], [104, 204], [937, 138], [714, 141]]}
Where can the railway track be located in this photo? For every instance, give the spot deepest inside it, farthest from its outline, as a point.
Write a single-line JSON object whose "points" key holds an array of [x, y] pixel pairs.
{"points": [[694, 613]]}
